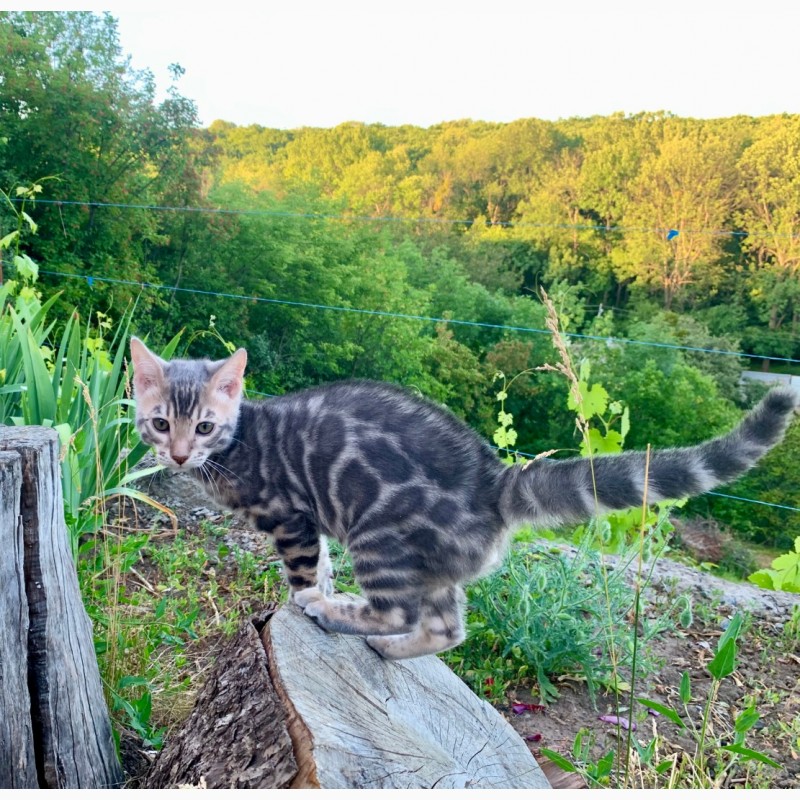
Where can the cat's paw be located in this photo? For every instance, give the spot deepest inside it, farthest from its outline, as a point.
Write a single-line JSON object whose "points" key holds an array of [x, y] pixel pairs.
{"points": [[384, 646], [306, 596], [317, 611]]}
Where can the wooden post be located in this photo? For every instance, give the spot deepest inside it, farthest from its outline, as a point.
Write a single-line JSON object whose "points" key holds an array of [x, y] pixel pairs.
{"points": [[292, 706], [17, 762], [69, 720]]}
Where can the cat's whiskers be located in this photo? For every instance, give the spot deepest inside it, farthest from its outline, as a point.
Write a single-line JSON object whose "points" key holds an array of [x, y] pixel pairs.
{"points": [[220, 468], [209, 483]]}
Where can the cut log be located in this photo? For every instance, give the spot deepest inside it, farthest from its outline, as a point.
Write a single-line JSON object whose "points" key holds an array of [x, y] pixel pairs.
{"points": [[348, 718], [17, 760], [71, 728]]}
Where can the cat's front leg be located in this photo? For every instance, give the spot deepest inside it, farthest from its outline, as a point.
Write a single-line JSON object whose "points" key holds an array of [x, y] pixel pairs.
{"points": [[324, 568], [305, 558]]}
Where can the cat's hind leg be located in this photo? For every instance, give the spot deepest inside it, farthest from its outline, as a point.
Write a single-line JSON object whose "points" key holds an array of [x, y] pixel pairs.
{"points": [[441, 626], [379, 614]]}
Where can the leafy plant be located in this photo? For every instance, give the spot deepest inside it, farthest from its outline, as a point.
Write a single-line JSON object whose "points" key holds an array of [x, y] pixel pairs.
{"points": [[725, 749], [550, 613], [784, 574]]}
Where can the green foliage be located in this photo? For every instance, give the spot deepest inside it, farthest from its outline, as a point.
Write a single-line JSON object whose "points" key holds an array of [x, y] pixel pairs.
{"points": [[73, 380], [549, 613], [784, 574], [723, 749], [151, 600]]}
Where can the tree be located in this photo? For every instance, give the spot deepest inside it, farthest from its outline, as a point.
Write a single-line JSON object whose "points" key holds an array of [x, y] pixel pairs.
{"points": [[687, 186], [72, 108], [768, 209]]}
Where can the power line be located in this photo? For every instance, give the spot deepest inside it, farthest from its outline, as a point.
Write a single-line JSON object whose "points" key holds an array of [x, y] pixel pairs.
{"points": [[670, 232], [609, 340]]}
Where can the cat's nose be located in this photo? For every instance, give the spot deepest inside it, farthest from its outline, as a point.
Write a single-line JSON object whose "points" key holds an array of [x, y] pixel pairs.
{"points": [[180, 460]]}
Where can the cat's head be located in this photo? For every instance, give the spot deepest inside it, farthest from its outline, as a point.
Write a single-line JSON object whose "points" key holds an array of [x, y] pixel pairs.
{"points": [[186, 410]]}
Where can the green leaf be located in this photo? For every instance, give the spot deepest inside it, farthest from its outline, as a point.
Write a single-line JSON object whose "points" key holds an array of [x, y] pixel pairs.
{"points": [[762, 578], [662, 709], [746, 719], [31, 224], [625, 423], [7, 239], [594, 400], [664, 766], [724, 662], [600, 444], [26, 267], [746, 752], [132, 680], [685, 688], [732, 631], [558, 760], [605, 765]]}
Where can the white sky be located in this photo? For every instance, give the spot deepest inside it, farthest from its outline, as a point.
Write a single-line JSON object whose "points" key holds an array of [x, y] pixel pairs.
{"points": [[288, 63]]}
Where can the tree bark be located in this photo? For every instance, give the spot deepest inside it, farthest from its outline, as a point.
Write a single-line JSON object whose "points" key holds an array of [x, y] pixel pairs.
{"points": [[72, 738], [310, 709]]}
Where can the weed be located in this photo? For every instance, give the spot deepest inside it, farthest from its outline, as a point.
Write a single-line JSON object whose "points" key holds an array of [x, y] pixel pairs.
{"points": [[716, 752], [545, 614]]}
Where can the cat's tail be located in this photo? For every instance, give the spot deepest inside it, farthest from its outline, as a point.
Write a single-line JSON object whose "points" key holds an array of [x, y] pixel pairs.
{"points": [[552, 492]]}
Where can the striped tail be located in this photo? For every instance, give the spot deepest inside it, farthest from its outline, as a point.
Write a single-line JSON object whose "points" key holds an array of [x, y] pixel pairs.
{"points": [[554, 492]]}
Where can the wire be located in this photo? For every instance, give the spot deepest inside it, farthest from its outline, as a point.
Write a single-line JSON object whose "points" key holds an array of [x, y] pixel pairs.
{"points": [[416, 220], [609, 340]]}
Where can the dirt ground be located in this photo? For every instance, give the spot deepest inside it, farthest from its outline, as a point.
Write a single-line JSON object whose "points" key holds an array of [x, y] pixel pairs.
{"points": [[768, 672]]}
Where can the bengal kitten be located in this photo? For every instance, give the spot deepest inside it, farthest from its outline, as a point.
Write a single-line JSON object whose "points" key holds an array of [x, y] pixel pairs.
{"points": [[421, 502]]}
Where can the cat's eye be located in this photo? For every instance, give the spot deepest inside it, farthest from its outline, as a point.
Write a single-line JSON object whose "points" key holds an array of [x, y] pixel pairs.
{"points": [[204, 428], [160, 424]]}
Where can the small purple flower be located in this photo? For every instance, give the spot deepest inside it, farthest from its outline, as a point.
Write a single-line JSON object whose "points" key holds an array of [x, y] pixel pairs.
{"points": [[613, 719]]}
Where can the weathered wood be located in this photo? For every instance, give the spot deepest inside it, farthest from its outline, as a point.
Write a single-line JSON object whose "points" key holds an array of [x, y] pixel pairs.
{"points": [[353, 720], [71, 728], [236, 737], [17, 762], [377, 724]]}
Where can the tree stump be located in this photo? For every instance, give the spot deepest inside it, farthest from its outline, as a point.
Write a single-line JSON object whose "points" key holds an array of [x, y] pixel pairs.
{"points": [[45, 632], [291, 706]]}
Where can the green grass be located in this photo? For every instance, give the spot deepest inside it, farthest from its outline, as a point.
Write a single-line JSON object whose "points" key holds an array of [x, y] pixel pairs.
{"points": [[159, 603]]}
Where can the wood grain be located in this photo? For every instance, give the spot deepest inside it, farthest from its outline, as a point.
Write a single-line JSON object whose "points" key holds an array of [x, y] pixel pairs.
{"points": [[392, 724], [236, 736], [71, 727], [17, 760]]}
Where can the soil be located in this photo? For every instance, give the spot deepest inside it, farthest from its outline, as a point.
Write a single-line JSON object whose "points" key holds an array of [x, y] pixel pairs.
{"points": [[768, 669]]}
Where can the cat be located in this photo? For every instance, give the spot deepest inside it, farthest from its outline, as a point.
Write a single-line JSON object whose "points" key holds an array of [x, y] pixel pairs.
{"points": [[421, 502]]}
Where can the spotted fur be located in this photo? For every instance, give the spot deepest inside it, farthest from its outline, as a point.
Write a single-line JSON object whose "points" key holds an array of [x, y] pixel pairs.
{"points": [[421, 502]]}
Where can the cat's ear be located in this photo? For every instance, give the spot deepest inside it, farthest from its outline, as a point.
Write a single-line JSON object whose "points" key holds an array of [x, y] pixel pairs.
{"points": [[230, 375], [148, 368]]}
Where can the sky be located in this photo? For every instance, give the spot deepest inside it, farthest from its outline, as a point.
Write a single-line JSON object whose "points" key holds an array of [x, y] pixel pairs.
{"points": [[300, 63]]}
